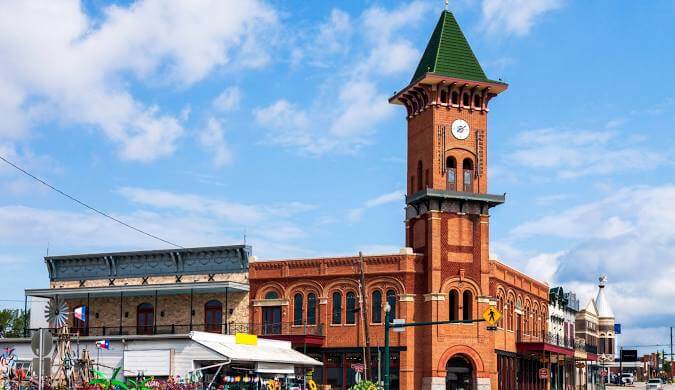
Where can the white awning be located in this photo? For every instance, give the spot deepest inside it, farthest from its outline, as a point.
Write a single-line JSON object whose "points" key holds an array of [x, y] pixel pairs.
{"points": [[266, 351], [274, 368]]}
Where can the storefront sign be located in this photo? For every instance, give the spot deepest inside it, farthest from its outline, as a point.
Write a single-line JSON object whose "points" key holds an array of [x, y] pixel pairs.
{"points": [[246, 339], [543, 373]]}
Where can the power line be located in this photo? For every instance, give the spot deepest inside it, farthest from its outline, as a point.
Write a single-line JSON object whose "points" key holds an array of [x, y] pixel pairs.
{"points": [[86, 205]]}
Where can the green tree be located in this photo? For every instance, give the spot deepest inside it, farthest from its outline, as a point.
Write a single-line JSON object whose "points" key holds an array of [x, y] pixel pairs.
{"points": [[12, 322]]}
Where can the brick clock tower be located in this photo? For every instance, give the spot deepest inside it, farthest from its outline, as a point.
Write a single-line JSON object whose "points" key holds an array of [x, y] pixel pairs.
{"points": [[447, 212]]}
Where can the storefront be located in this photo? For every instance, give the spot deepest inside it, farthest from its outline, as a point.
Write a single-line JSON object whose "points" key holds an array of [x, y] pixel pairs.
{"points": [[251, 363], [340, 366]]}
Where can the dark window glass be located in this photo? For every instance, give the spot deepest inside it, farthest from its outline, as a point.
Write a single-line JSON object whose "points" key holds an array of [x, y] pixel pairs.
{"points": [[271, 295], [351, 308], [420, 179], [467, 305], [454, 305], [455, 97], [337, 308], [311, 309], [477, 100], [376, 302], [297, 309], [467, 166], [465, 100], [391, 300], [444, 96], [451, 172]]}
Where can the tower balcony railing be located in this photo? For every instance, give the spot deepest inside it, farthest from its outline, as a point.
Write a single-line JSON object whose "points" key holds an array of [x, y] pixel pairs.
{"points": [[231, 328]]}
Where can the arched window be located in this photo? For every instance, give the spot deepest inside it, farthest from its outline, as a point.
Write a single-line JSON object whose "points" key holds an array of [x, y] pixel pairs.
{"points": [[351, 308], [467, 305], [376, 305], [451, 172], [271, 295], [500, 308], [510, 312], [420, 178], [467, 167], [311, 309], [337, 308], [81, 326], [455, 97], [213, 316], [145, 318], [444, 96], [527, 321], [477, 100], [391, 300], [297, 309], [453, 301], [466, 100]]}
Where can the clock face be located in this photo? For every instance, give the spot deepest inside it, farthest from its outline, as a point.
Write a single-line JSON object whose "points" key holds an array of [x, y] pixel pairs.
{"points": [[460, 129]]}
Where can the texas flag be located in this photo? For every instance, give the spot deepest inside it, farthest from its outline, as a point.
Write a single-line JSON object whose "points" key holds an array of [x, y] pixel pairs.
{"points": [[103, 344], [80, 313]]}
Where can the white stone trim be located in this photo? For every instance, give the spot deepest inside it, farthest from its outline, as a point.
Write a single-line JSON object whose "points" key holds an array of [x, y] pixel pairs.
{"points": [[270, 302], [407, 298], [434, 297]]}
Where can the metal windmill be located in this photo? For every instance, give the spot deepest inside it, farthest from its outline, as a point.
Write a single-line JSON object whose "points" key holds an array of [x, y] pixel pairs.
{"points": [[57, 313]]}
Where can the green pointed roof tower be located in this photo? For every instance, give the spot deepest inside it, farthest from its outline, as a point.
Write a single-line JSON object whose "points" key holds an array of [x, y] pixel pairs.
{"points": [[448, 53], [447, 60]]}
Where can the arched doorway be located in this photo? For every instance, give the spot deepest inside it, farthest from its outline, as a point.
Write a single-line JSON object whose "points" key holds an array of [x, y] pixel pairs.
{"points": [[213, 316], [145, 318], [459, 374]]}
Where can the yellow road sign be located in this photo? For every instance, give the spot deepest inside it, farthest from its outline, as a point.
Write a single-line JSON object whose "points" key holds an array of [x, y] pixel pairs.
{"points": [[492, 315]]}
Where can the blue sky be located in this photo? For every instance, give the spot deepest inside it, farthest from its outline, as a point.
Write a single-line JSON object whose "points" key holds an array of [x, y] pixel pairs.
{"points": [[208, 122]]}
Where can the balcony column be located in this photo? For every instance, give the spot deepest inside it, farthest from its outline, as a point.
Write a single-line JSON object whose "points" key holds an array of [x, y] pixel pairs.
{"points": [[227, 311], [154, 316], [190, 313], [121, 298], [86, 315]]}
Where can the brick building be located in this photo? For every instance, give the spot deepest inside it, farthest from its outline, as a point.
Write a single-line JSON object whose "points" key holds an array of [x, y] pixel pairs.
{"points": [[443, 273]]}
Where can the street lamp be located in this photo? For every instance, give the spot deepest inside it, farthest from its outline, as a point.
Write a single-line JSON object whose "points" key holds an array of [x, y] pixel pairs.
{"points": [[387, 310]]}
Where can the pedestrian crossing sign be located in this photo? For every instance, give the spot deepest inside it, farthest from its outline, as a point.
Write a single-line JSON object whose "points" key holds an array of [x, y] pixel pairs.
{"points": [[492, 315]]}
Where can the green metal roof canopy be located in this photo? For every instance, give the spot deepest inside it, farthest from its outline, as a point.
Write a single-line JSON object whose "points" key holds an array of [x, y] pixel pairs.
{"points": [[448, 53]]}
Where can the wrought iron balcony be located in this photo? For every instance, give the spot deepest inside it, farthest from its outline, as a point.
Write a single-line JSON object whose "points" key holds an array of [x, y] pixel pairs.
{"points": [[545, 337]]}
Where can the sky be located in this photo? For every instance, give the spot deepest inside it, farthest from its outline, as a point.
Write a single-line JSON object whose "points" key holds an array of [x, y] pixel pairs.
{"points": [[267, 121]]}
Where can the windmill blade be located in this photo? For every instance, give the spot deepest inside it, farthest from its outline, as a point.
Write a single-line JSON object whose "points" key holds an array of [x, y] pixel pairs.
{"points": [[57, 313]]}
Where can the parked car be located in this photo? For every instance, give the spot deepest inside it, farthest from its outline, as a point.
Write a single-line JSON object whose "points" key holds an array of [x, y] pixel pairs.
{"points": [[627, 378], [654, 384]]}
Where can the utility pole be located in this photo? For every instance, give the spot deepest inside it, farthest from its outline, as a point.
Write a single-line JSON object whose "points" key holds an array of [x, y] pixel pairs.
{"points": [[364, 319]]}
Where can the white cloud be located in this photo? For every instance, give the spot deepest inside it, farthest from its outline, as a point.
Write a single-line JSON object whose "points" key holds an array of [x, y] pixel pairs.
{"points": [[515, 16], [391, 197], [628, 236], [71, 69], [228, 100], [346, 124], [575, 153], [335, 33], [212, 138], [239, 213]]}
